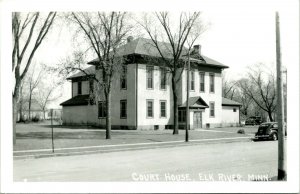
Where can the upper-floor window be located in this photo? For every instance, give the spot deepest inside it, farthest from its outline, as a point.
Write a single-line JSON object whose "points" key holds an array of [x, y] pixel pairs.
{"points": [[101, 109], [123, 77], [149, 77], [123, 109], [163, 78], [149, 108], [211, 82], [202, 81], [212, 109], [79, 88], [192, 80], [163, 107]]}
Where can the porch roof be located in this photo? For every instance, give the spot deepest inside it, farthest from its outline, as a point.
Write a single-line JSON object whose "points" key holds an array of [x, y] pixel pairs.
{"points": [[76, 101], [195, 102]]}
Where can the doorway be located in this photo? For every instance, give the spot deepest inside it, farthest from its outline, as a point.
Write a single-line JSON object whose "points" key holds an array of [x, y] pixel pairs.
{"points": [[197, 119]]}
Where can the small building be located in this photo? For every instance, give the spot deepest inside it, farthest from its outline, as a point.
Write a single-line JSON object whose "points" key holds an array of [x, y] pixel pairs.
{"points": [[142, 93]]}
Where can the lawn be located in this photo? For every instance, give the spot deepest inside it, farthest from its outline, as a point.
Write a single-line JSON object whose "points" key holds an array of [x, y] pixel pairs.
{"points": [[38, 136]]}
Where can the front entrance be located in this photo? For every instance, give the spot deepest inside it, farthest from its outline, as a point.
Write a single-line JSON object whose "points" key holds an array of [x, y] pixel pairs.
{"points": [[197, 119]]}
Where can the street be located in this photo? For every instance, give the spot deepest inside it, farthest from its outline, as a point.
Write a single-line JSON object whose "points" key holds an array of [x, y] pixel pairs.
{"points": [[235, 161]]}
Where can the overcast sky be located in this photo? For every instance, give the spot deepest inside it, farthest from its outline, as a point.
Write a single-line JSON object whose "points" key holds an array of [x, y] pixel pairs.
{"points": [[240, 35]]}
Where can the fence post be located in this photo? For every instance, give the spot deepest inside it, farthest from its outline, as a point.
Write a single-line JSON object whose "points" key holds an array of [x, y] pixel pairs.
{"points": [[51, 111]]}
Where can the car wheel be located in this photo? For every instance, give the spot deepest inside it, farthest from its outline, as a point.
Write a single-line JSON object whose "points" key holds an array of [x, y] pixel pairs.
{"points": [[274, 136]]}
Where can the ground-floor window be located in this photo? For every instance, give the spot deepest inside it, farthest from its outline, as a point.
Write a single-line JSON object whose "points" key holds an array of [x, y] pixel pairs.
{"points": [[123, 109], [181, 115], [101, 109], [149, 108], [163, 107], [212, 109]]}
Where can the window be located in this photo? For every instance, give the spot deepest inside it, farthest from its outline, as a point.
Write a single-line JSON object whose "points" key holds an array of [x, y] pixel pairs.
{"points": [[202, 82], [123, 109], [163, 78], [101, 109], [149, 108], [192, 80], [123, 78], [163, 108], [234, 109], [212, 109], [149, 77], [211, 83], [181, 115], [79, 87]]}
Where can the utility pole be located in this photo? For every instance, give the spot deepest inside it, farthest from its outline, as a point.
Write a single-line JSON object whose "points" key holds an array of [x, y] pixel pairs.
{"points": [[187, 123], [281, 145]]}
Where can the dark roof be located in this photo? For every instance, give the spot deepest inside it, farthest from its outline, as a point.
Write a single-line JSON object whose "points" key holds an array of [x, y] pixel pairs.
{"points": [[143, 46], [196, 102], [77, 100], [228, 102], [89, 70]]}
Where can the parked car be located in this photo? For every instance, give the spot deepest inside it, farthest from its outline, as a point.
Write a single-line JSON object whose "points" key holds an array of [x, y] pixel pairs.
{"points": [[255, 120], [267, 130]]}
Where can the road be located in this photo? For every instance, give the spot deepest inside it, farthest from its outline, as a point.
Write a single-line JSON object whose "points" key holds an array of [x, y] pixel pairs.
{"points": [[235, 161]]}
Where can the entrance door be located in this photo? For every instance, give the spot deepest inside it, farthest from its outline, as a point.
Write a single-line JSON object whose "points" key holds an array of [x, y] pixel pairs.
{"points": [[197, 119]]}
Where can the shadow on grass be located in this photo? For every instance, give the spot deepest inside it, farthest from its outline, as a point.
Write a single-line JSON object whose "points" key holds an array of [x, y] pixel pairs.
{"points": [[63, 135], [72, 127]]}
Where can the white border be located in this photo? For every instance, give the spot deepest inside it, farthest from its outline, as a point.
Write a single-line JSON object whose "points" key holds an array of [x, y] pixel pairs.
{"points": [[7, 184]]}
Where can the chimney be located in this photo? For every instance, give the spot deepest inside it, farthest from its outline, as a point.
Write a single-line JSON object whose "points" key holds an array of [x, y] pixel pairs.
{"points": [[129, 39], [197, 49]]}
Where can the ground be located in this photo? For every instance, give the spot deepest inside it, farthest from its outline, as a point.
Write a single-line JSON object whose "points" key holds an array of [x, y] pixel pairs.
{"points": [[234, 161], [38, 136], [83, 154]]}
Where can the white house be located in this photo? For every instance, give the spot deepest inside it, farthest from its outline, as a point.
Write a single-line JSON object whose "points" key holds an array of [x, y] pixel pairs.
{"points": [[142, 93]]}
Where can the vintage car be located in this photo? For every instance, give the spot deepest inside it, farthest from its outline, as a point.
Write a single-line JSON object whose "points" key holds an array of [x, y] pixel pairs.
{"points": [[268, 130], [255, 120]]}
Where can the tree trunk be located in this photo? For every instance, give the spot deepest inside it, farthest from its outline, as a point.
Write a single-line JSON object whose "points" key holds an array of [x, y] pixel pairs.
{"points": [[15, 116], [270, 116], [175, 106], [108, 119], [29, 108]]}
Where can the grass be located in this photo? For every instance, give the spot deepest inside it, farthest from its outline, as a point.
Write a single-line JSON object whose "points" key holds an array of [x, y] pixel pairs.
{"points": [[38, 136]]}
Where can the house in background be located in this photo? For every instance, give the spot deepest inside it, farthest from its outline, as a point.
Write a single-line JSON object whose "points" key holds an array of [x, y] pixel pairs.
{"points": [[142, 93]]}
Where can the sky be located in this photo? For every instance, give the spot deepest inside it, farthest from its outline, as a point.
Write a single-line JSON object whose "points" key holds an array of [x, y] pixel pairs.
{"points": [[239, 36]]}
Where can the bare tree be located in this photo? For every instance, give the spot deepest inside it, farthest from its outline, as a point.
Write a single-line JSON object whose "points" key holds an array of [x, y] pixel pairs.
{"points": [[33, 82], [46, 95], [172, 48], [261, 89], [242, 96], [23, 29], [104, 33], [228, 87]]}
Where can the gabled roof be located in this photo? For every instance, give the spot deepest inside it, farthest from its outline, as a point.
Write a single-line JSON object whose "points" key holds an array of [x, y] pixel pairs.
{"points": [[228, 102], [196, 102], [77, 100], [143, 46], [89, 70]]}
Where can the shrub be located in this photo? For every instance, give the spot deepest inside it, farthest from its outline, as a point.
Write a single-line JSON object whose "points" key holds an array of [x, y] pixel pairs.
{"points": [[35, 119], [241, 131]]}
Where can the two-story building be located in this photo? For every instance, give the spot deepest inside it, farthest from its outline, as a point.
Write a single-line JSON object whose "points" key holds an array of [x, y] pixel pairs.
{"points": [[142, 93]]}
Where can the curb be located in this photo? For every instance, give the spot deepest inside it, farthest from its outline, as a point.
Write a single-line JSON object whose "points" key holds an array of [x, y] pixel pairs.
{"points": [[131, 147]]}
